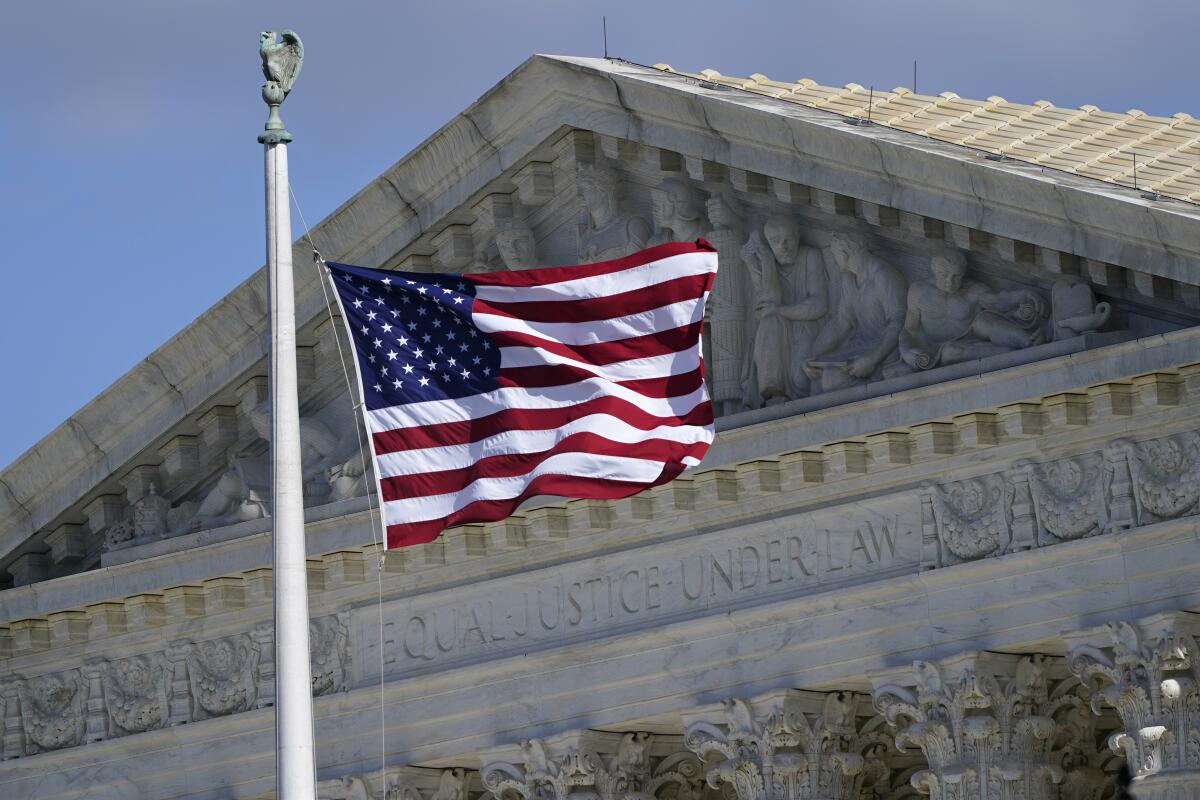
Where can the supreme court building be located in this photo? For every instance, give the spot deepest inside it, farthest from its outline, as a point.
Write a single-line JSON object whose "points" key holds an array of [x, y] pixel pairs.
{"points": [[945, 543]]}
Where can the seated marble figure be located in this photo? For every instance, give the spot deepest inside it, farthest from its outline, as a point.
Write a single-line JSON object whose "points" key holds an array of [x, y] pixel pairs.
{"points": [[859, 340], [951, 319]]}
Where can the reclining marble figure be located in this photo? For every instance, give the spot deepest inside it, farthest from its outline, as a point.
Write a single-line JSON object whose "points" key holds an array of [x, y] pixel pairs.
{"points": [[950, 319]]}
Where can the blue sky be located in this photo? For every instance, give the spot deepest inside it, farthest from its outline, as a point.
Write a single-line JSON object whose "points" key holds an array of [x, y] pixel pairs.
{"points": [[131, 180]]}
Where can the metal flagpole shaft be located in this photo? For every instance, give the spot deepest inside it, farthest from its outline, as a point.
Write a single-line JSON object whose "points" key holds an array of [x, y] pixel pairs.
{"points": [[295, 777]]}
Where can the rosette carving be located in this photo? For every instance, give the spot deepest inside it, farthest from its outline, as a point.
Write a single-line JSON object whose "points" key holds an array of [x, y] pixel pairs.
{"points": [[786, 746], [135, 694], [1166, 476], [222, 674], [971, 516], [52, 710], [984, 722], [1069, 494]]}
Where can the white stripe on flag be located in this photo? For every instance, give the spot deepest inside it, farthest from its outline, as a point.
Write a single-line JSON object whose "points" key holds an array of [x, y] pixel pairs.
{"points": [[606, 285], [434, 412]]}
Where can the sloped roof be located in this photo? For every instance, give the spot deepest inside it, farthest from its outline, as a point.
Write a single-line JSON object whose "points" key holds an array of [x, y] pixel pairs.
{"points": [[1085, 140]]}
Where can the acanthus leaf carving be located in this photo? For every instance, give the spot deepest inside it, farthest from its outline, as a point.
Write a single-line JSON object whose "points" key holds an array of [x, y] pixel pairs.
{"points": [[984, 722], [1149, 673], [591, 764], [787, 746]]}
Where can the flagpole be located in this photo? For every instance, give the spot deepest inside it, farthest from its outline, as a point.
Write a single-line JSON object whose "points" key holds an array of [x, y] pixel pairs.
{"points": [[295, 777]]}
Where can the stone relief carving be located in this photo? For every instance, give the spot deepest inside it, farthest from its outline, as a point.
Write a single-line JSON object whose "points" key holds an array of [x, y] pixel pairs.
{"points": [[1149, 673], [1039, 504], [240, 493], [727, 305], [606, 232], [1165, 474], [347, 787], [517, 246], [791, 296], [1074, 310], [952, 319], [678, 212], [52, 710], [135, 694], [594, 765], [223, 675], [970, 517], [776, 748], [333, 468], [328, 638], [858, 342], [987, 724], [1070, 497]]}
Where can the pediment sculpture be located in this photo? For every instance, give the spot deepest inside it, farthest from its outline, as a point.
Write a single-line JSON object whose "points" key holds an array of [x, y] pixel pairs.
{"points": [[951, 318], [606, 232], [517, 246], [678, 212], [1074, 310], [858, 341], [791, 297]]}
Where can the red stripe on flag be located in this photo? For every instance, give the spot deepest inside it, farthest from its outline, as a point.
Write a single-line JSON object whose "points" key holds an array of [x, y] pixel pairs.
{"points": [[613, 306]]}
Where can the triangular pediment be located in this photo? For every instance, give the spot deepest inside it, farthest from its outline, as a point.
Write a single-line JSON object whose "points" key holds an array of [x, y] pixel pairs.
{"points": [[573, 159]]}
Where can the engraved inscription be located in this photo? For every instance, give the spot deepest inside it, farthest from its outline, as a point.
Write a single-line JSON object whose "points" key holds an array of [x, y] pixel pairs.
{"points": [[717, 570]]}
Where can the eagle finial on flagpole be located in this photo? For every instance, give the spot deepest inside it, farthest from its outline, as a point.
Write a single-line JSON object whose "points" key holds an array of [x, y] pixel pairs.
{"points": [[281, 63]]}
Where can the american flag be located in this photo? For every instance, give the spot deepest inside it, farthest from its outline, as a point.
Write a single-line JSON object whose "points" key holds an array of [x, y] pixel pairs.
{"points": [[482, 390]]}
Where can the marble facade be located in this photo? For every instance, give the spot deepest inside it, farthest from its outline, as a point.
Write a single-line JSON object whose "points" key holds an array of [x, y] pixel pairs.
{"points": [[944, 545]]}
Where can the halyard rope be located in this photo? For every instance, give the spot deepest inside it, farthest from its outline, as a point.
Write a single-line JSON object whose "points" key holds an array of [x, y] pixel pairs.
{"points": [[380, 546]]}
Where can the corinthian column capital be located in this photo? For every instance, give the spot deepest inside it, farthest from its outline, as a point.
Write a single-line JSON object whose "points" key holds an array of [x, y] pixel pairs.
{"points": [[1148, 672], [593, 765], [983, 721], [788, 744]]}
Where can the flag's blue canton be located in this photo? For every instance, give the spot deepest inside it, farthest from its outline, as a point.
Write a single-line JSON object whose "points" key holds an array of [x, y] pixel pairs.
{"points": [[413, 335]]}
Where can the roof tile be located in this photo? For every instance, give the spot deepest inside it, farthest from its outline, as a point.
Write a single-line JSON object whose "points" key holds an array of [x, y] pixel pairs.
{"points": [[1086, 141]]}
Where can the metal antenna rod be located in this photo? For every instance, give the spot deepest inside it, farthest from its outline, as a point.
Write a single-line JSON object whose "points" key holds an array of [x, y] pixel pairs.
{"points": [[870, 103], [604, 23], [914, 76]]}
